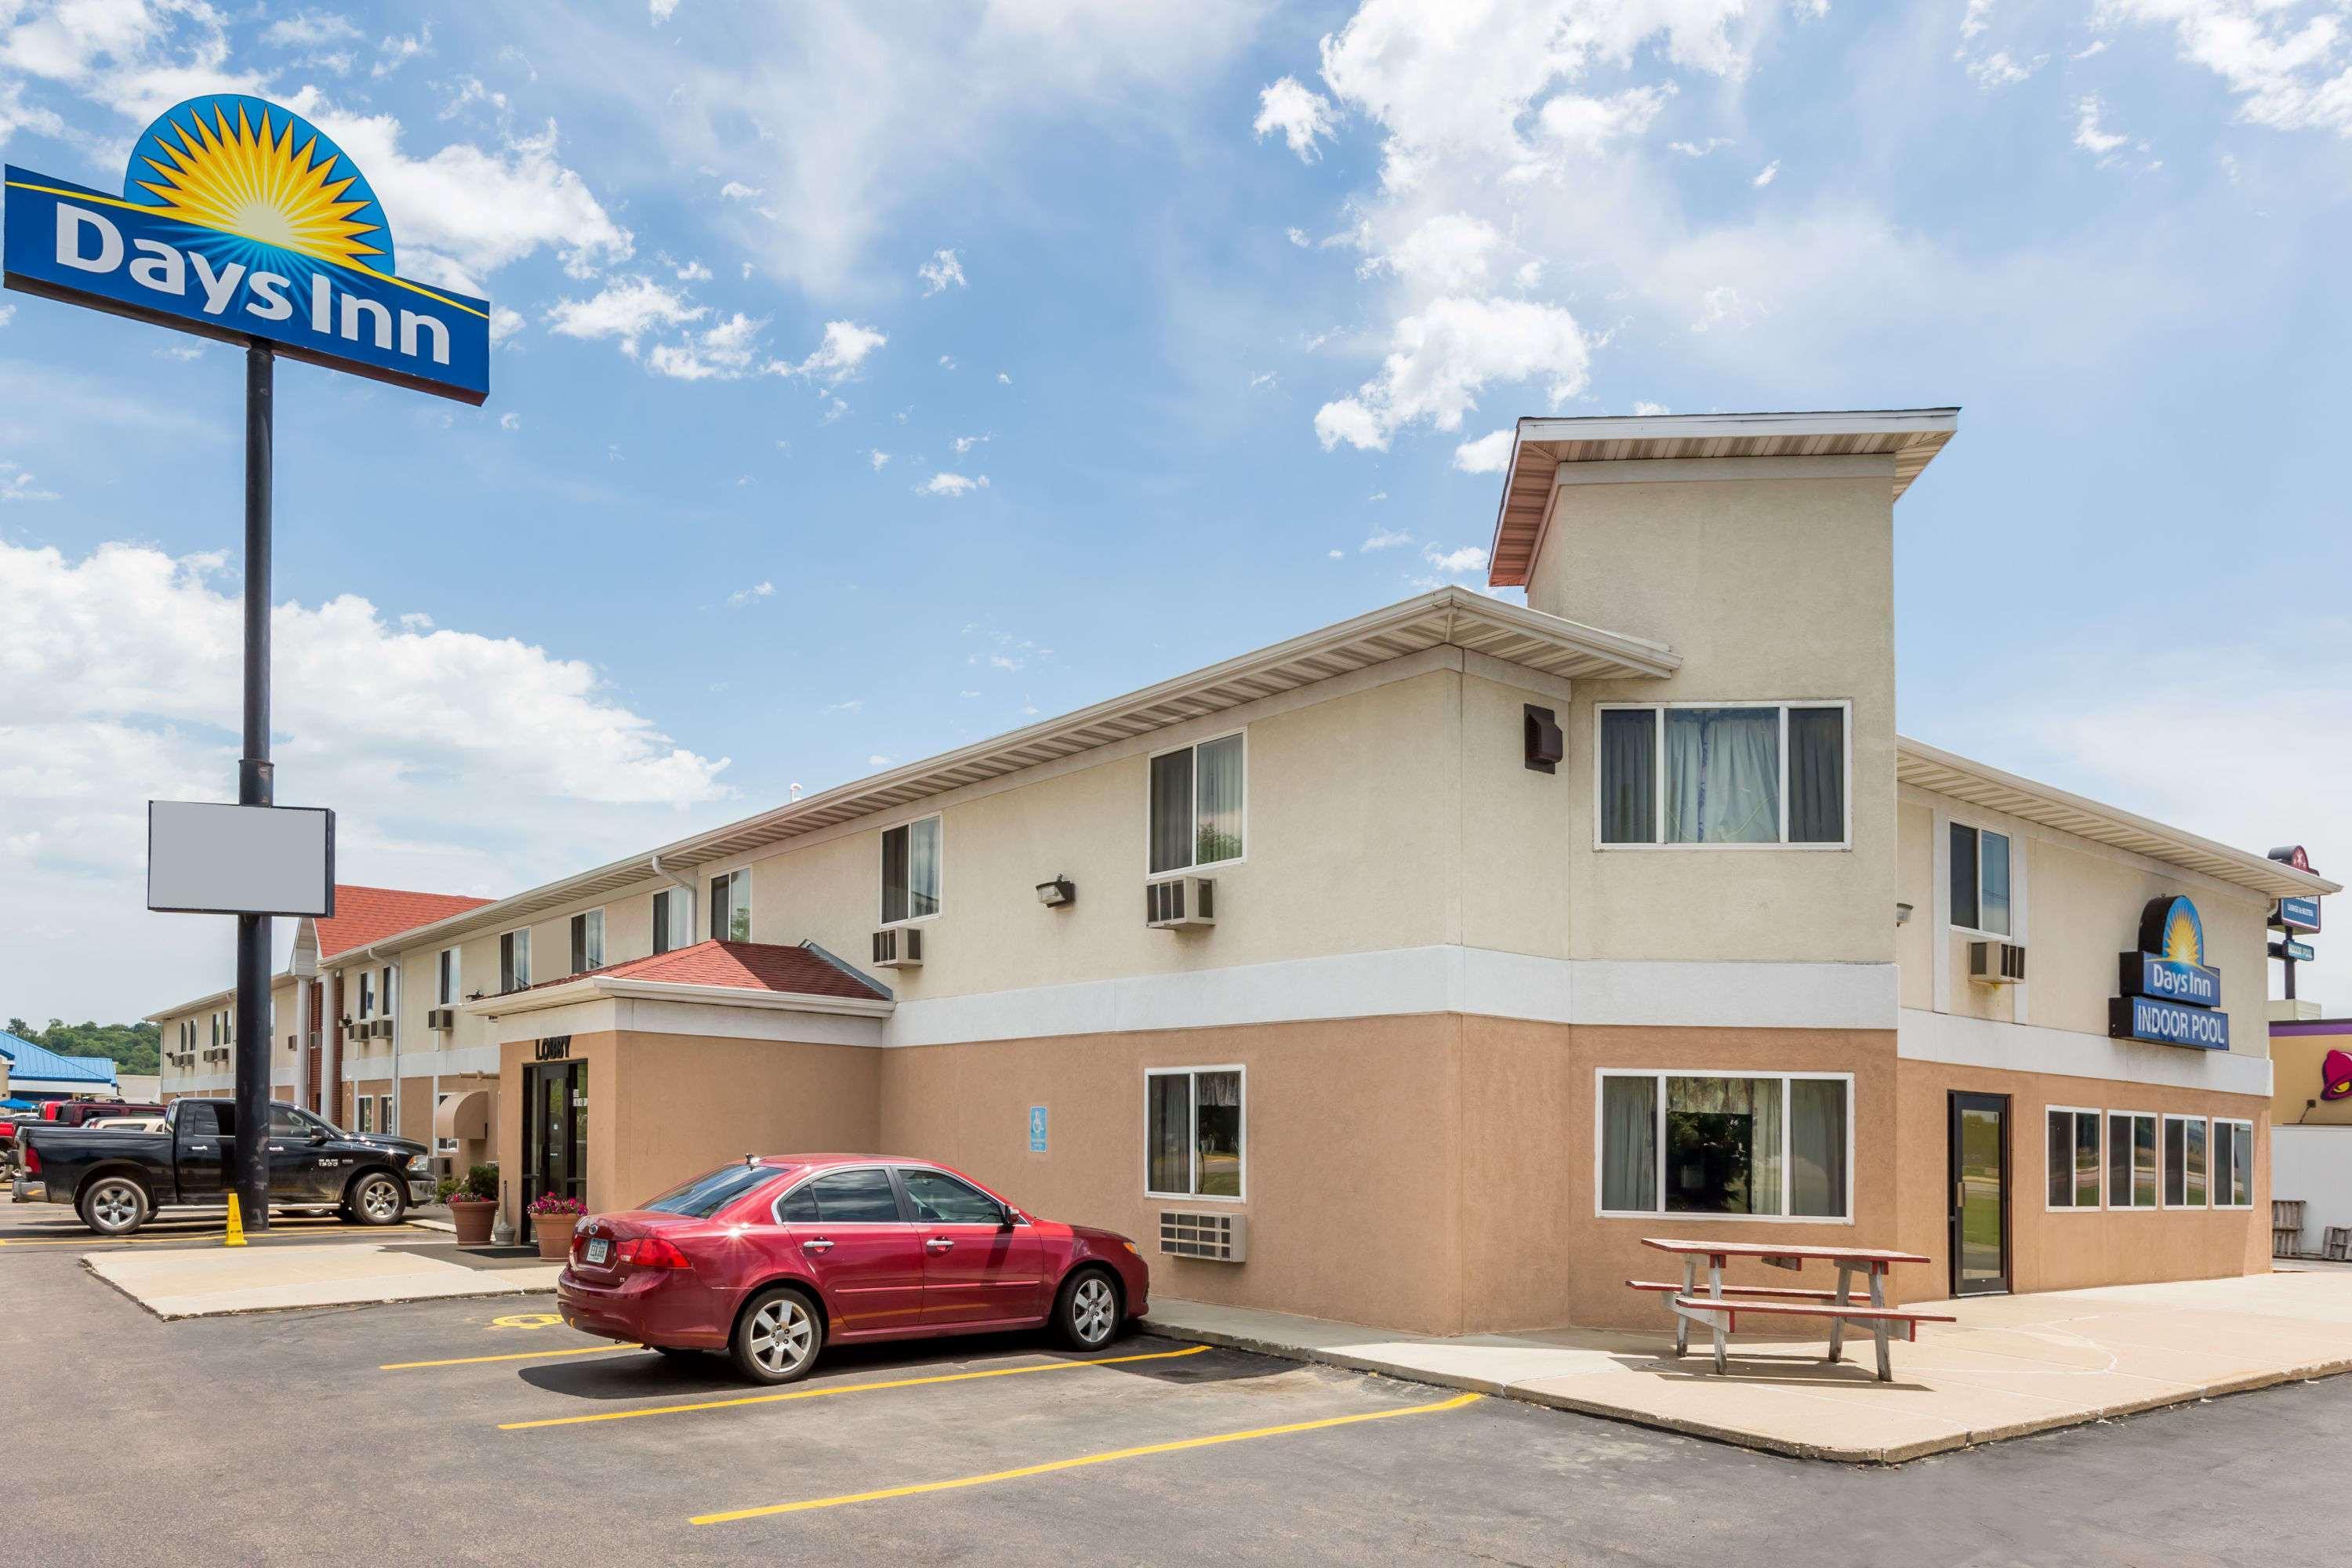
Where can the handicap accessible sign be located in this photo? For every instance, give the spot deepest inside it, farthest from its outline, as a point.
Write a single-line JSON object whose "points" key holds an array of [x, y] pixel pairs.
{"points": [[1037, 1130]]}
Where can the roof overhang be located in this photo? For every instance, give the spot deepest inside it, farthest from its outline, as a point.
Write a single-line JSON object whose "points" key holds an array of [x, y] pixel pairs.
{"points": [[1928, 768], [604, 987], [1539, 446], [215, 999], [1458, 617]]}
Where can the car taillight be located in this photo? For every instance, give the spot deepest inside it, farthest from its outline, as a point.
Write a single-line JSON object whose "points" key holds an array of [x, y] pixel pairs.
{"points": [[32, 1161], [652, 1252]]}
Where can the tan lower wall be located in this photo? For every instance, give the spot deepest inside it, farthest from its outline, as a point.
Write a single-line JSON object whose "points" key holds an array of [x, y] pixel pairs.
{"points": [[2067, 1249]]}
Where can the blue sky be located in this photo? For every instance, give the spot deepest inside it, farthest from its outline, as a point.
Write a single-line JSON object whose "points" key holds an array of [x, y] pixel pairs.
{"points": [[1219, 300]]}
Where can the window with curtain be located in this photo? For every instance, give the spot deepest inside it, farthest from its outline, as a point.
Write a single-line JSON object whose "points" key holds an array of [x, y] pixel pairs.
{"points": [[1196, 807], [1980, 880], [587, 940], [1690, 1143], [910, 871], [2073, 1164], [1194, 1134], [2131, 1160], [445, 990], [2233, 1164], [731, 906], [1769, 773], [673, 919], [514, 961], [2184, 1161]]}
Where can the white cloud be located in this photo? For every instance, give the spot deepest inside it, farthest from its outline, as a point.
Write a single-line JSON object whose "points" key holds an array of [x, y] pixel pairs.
{"points": [[1299, 113], [846, 347], [1645, 409], [1443, 358], [752, 595], [877, 760], [1384, 538], [1003, 379], [1448, 253], [947, 362], [509, 421], [737, 191], [2286, 60], [1456, 562], [1972, 21], [1337, 554], [950, 485], [848, 705], [691, 272], [5, 312], [941, 271], [1489, 454], [1297, 236], [17, 485], [311, 30], [2088, 135], [2000, 69], [727, 350], [627, 309], [661, 10], [396, 52], [1725, 308], [1700, 149], [963, 443], [505, 322], [1766, 175]]}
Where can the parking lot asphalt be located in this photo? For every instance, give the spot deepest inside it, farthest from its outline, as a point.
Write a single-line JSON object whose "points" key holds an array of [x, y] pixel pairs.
{"points": [[486, 1432]]}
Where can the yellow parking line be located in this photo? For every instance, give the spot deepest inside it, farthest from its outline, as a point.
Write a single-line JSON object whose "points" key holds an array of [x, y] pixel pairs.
{"points": [[844, 1388], [518, 1355], [1456, 1403], [274, 1234]]}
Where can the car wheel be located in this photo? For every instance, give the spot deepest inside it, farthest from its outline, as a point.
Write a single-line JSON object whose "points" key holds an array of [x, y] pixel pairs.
{"points": [[114, 1205], [376, 1199], [778, 1336], [1087, 1314]]}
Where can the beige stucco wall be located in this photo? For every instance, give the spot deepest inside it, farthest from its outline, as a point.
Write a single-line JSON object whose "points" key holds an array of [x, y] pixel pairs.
{"points": [[1770, 589]]}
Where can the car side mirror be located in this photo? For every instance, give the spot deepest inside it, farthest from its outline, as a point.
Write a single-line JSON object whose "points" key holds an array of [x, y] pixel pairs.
{"points": [[1012, 1217]]}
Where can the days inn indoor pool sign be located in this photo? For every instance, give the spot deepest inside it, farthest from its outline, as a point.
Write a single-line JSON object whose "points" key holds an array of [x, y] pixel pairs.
{"points": [[240, 220], [2170, 995]]}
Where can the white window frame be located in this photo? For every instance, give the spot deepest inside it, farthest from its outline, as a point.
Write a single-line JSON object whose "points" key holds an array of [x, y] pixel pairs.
{"points": [[749, 934], [1193, 1140], [449, 980], [367, 994], [2212, 1197], [505, 964], [881, 870], [595, 919], [383, 1117], [1196, 868], [1658, 1076], [364, 1112], [2009, 837], [660, 928], [2164, 1165], [2100, 1119], [2107, 1132], [1658, 775]]}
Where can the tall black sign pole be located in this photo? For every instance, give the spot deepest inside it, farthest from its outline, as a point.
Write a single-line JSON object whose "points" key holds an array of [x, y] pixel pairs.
{"points": [[251, 1172]]}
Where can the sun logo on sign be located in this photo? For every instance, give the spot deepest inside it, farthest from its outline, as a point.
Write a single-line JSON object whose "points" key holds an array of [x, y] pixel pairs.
{"points": [[269, 179], [2181, 936]]}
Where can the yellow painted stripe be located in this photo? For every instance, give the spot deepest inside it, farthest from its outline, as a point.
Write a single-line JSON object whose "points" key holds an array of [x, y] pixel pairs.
{"points": [[275, 1233], [1456, 1403], [169, 216], [517, 1355], [831, 1389]]}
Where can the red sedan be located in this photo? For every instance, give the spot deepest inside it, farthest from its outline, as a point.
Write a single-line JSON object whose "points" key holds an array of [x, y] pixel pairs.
{"points": [[771, 1259]]}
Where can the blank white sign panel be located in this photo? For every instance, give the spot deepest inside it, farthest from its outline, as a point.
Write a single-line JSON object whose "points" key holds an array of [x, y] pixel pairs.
{"points": [[212, 859]]}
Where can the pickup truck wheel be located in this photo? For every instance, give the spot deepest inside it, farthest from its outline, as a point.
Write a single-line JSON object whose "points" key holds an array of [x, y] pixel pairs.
{"points": [[377, 1199], [114, 1205]]}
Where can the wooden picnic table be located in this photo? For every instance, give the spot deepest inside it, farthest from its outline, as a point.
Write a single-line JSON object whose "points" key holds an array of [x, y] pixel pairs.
{"points": [[1718, 1309]]}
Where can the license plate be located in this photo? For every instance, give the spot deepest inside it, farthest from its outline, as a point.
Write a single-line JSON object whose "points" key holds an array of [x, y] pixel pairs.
{"points": [[599, 1249]]}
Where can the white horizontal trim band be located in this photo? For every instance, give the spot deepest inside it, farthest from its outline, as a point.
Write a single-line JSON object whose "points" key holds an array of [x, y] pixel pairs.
{"points": [[1959, 1041]]}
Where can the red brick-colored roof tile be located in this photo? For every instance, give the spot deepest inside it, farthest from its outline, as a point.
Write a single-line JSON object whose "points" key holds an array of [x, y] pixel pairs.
{"points": [[742, 965], [367, 915]]}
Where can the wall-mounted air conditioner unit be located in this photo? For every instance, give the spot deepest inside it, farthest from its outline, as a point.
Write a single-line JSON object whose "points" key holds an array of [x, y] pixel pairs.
{"points": [[442, 1019], [1216, 1237], [1179, 902], [1997, 962], [898, 947], [380, 1029]]}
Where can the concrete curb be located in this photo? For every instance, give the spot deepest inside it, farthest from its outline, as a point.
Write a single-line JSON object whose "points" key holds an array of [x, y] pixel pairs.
{"points": [[1349, 1360]]}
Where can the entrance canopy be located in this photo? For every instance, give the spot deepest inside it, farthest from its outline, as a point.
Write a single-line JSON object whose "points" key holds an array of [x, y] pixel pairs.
{"points": [[463, 1115]]}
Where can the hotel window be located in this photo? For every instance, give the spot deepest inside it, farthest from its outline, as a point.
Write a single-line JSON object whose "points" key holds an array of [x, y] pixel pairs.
{"points": [[673, 919], [1736, 773], [1685, 1143], [1195, 1132], [367, 1114], [587, 940], [446, 981], [2184, 1161], [1198, 806], [731, 906], [514, 961], [384, 989], [910, 871], [2074, 1158], [367, 994], [2131, 1160], [1980, 880], [383, 1113], [2233, 1164]]}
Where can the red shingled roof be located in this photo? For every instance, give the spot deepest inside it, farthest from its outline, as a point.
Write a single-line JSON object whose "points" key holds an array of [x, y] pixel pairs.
{"points": [[365, 915], [744, 965]]}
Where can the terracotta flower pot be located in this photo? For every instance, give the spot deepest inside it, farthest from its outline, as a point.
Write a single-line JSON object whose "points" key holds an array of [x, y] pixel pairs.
{"points": [[473, 1221], [554, 1234]]}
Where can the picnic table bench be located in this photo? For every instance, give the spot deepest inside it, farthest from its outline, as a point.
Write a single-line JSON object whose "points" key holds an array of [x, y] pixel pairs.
{"points": [[1720, 1307]]}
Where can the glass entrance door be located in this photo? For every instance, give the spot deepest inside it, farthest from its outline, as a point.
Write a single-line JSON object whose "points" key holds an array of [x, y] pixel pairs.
{"points": [[1979, 1177], [555, 1122]]}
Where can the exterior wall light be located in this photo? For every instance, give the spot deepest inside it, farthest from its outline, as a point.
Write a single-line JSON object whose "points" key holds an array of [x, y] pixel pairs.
{"points": [[1059, 893], [1902, 914]]}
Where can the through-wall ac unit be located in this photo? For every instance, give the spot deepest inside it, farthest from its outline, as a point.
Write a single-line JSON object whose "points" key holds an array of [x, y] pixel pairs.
{"points": [[1180, 901], [1217, 1238], [380, 1029], [1997, 962], [898, 947], [442, 1018]]}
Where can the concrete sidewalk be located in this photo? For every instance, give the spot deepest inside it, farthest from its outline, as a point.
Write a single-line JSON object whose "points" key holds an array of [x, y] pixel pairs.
{"points": [[209, 1281], [2010, 1365]]}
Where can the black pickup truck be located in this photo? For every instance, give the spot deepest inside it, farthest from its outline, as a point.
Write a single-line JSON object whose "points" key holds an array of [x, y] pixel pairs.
{"points": [[117, 1180]]}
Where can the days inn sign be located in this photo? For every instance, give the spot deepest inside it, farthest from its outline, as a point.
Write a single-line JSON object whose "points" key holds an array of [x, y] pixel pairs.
{"points": [[2168, 995], [240, 220]]}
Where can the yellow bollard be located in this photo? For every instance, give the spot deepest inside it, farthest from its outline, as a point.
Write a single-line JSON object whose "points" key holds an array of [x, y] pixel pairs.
{"points": [[235, 1237]]}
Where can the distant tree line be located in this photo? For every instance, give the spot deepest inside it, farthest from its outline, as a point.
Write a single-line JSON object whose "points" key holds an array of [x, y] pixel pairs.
{"points": [[135, 1048]]}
